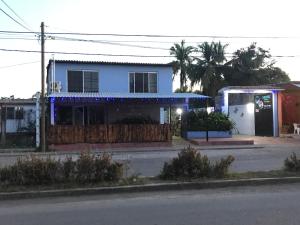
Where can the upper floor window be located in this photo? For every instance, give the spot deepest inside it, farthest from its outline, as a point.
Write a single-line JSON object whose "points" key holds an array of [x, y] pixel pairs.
{"points": [[143, 82], [83, 81]]}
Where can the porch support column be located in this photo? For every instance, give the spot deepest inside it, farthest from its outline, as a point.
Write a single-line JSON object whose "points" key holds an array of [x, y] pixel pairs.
{"points": [[225, 108], [52, 121], [275, 114], [161, 115]]}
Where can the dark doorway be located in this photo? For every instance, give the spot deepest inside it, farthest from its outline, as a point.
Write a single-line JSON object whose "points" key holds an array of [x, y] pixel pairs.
{"points": [[263, 115]]}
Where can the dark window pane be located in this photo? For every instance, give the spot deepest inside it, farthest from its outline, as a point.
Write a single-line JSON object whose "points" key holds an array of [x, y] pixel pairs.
{"points": [[63, 115], [91, 82], [19, 113], [79, 115], [10, 113], [153, 82], [139, 83], [75, 81], [96, 115], [146, 85], [131, 82]]}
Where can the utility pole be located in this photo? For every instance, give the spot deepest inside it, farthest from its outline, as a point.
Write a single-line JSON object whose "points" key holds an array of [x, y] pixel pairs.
{"points": [[3, 125], [43, 119]]}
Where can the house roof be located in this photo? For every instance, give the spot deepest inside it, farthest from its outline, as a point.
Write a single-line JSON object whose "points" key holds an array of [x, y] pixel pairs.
{"points": [[121, 95], [17, 101], [291, 85], [110, 63], [250, 89]]}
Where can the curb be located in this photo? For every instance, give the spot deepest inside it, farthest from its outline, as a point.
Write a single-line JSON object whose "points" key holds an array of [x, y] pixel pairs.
{"points": [[199, 148], [173, 186]]}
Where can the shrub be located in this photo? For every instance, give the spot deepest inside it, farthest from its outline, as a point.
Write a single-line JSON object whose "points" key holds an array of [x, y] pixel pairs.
{"points": [[292, 163], [191, 164], [215, 121], [221, 167], [35, 170], [69, 169], [85, 167], [114, 172], [38, 171], [102, 165]]}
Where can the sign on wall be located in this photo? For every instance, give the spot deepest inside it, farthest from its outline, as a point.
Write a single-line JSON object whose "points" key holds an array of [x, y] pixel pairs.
{"points": [[263, 102]]}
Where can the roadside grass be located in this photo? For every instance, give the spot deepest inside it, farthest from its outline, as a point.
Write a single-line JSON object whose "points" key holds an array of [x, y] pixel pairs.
{"points": [[138, 180]]}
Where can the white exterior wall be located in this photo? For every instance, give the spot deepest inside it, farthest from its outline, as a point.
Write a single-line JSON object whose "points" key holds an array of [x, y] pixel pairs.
{"points": [[243, 118], [12, 125]]}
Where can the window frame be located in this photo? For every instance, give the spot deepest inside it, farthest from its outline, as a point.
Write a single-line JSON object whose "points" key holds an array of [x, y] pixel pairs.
{"points": [[143, 72], [13, 113], [83, 72]]}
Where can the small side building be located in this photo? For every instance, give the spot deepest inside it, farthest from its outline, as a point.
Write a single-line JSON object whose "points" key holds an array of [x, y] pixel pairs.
{"points": [[17, 121], [289, 100], [253, 109]]}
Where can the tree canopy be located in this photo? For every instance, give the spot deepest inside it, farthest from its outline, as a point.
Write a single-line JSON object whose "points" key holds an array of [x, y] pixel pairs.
{"points": [[247, 66], [182, 62]]}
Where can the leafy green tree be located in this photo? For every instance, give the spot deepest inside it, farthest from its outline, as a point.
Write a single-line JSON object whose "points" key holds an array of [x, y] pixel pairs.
{"points": [[208, 71], [253, 66], [182, 53]]}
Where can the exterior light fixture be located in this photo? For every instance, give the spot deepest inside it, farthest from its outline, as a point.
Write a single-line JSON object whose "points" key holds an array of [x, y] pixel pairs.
{"points": [[179, 111], [250, 107]]}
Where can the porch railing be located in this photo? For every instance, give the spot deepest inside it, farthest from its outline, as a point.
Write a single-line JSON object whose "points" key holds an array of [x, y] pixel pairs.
{"points": [[111, 133]]}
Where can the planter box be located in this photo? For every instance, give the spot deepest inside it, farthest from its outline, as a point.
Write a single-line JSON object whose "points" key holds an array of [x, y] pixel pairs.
{"points": [[211, 134]]}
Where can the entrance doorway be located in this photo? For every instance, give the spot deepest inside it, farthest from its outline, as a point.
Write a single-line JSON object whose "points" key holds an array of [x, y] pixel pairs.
{"points": [[263, 115]]}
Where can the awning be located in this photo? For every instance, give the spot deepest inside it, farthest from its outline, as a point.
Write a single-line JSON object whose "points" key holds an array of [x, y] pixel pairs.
{"points": [[116, 96]]}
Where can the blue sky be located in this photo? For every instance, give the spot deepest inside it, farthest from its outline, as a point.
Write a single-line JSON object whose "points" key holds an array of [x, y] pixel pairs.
{"points": [[189, 17]]}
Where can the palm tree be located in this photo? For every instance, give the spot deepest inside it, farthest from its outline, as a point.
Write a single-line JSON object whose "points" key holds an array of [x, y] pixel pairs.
{"points": [[182, 53], [209, 66]]}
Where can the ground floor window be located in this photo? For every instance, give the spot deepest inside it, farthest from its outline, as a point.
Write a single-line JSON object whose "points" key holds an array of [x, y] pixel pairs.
{"points": [[79, 115]]}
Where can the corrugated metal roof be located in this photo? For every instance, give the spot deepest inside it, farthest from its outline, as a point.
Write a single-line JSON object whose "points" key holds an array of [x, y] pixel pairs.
{"points": [[124, 95], [17, 101], [251, 88], [111, 63]]}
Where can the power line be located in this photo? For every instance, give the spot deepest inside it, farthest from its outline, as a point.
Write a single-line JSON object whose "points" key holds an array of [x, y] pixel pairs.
{"points": [[81, 53], [121, 55], [19, 64], [14, 20], [15, 13], [106, 42], [158, 35]]}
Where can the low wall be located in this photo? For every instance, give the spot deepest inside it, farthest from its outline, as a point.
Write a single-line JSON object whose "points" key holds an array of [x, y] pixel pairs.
{"points": [[211, 134], [114, 133]]}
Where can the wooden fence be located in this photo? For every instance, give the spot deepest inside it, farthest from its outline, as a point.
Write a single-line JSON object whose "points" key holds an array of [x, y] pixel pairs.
{"points": [[111, 133]]}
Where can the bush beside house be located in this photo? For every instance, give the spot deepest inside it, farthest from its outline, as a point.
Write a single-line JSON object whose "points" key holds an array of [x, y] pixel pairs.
{"points": [[217, 124], [88, 168]]}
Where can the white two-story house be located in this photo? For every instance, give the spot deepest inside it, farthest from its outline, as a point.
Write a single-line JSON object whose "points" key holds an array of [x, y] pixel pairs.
{"points": [[95, 102]]}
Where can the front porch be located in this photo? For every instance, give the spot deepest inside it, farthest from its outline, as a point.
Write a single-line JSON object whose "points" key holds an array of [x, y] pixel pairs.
{"points": [[111, 118]]}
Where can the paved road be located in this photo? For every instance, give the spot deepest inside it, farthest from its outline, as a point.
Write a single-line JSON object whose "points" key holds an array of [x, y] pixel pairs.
{"points": [[150, 163], [267, 205], [258, 159]]}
